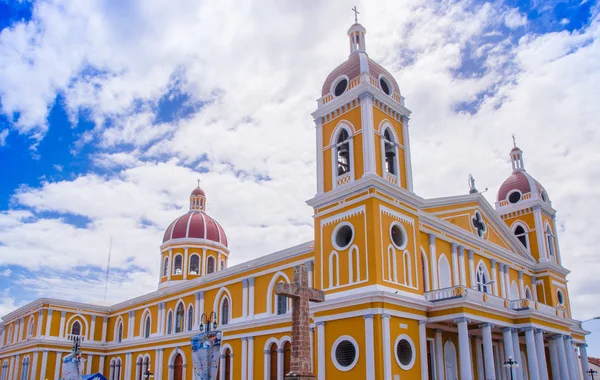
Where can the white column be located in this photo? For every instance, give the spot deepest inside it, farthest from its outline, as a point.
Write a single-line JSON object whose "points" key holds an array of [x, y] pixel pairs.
{"points": [[320, 175], [101, 364], [517, 353], [570, 359], [204, 268], [57, 365], [370, 347], [461, 262], [368, 134], [245, 357], [39, 325], [61, 331], [479, 358], [585, 365], [201, 308], [250, 358], [90, 334], [532, 363], [407, 156], [44, 364], [439, 354], [541, 353], [562, 358], [17, 366], [534, 288], [185, 263], [171, 266], [521, 285], [471, 268], [222, 365], [251, 296], [104, 327], [11, 367], [244, 298], [433, 261], [197, 310], [508, 348], [33, 370], [464, 349], [267, 366], [312, 350], [321, 350], [422, 349], [159, 364], [502, 280], [455, 265], [128, 365], [539, 232], [90, 359], [387, 360], [132, 324], [554, 365], [49, 322], [19, 330], [488, 352], [494, 278]]}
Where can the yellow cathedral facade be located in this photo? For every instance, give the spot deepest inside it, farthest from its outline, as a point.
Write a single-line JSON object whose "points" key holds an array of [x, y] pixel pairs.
{"points": [[443, 288]]}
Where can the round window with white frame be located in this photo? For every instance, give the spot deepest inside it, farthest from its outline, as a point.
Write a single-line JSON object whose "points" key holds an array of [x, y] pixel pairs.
{"points": [[342, 236], [561, 297], [344, 353], [398, 235], [385, 85], [339, 86], [514, 196], [404, 352]]}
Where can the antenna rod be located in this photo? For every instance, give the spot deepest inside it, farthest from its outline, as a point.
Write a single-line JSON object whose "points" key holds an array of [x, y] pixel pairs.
{"points": [[107, 268]]}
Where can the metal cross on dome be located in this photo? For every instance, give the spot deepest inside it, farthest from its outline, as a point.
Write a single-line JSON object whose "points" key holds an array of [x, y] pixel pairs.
{"points": [[356, 13], [198, 182], [479, 224]]}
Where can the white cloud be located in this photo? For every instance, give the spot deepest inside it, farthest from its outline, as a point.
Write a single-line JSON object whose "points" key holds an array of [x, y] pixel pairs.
{"points": [[5, 273], [515, 19], [3, 135]]}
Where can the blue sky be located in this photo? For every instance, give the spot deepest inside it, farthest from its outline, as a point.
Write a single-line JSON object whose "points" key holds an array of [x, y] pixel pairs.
{"points": [[111, 110]]}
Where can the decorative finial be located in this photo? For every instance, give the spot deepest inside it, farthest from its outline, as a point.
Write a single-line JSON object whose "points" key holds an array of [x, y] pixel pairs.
{"points": [[472, 188], [198, 182], [356, 13], [514, 141]]}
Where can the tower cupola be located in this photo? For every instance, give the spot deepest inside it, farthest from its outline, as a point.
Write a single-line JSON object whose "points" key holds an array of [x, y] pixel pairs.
{"points": [[198, 199]]}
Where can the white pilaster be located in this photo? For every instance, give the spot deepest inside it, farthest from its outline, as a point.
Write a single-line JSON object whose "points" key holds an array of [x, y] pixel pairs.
{"points": [[245, 358], [90, 359], [104, 327], [267, 366], [517, 353], [387, 360], [321, 350], [532, 363], [159, 364], [439, 354], [39, 325], [507, 283], [57, 365], [197, 310], [33, 369], [488, 352], [534, 288], [131, 331], [508, 349], [433, 261], [455, 264], [204, 262], [407, 155], [570, 359], [61, 331], [540, 233], [244, 298], [19, 330], [521, 285], [471, 268], [280, 364], [44, 364], [320, 173], [368, 133], [90, 333], [554, 364], [251, 296], [461, 262], [479, 358], [585, 365], [250, 358], [464, 349], [494, 278], [17, 366], [503, 293], [185, 263], [222, 365], [171, 266], [48, 323], [128, 365], [541, 354], [312, 350], [422, 349], [370, 347], [101, 364], [562, 358]]}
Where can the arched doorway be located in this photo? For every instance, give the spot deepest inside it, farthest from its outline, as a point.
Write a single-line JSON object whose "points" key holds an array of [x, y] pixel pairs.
{"points": [[287, 356], [450, 361], [273, 361], [178, 368], [228, 364]]}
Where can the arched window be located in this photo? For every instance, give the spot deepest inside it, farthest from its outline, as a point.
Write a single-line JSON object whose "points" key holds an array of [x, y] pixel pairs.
{"points": [[139, 371], [147, 327], [407, 269], [4, 373], [521, 234], [354, 264], [76, 328], [390, 153], [342, 152], [225, 311], [10, 335], [190, 318], [287, 354], [115, 369], [179, 318], [425, 271], [25, 368], [334, 270], [528, 293], [444, 272], [550, 242], [514, 291], [210, 265], [177, 262], [166, 267], [222, 265], [273, 361], [195, 264], [281, 305], [146, 366], [170, 323], [120, 332], [30, 328], [482, 279]]}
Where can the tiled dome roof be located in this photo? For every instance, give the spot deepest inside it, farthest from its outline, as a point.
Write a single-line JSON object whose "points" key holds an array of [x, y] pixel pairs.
{"points": [[195, 225], [518, 180]]}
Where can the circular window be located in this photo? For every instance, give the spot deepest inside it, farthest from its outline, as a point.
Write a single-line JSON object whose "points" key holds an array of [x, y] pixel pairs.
{"points": [[561, 297], [514, 197], [344, 353], [405, 352], [398, 235], [343, 236], [340, 87], [385, 86]]}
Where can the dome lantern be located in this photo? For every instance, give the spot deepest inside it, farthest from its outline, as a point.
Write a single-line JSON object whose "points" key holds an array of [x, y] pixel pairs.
{"points": [[516, 157], [198, 199]]}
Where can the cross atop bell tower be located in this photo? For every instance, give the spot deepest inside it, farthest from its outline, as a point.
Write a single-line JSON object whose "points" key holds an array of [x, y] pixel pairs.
{"points": [[356, 13]]}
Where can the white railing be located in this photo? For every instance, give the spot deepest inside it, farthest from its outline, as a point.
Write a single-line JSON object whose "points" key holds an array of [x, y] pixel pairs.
{"points": [[343, 179], [72, 337], [446, 293]]}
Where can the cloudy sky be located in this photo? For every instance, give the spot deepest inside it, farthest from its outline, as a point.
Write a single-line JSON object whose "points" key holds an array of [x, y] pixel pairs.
{"points": [[110, 111]]}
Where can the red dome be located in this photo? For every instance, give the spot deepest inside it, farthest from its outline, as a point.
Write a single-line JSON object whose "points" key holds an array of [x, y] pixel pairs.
{"points": [[521, 181], [195, 225], [198, 192], [357, 63]]}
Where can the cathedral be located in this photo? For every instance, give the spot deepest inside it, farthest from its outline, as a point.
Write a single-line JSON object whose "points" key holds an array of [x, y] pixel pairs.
{"points": [[443, 288]]}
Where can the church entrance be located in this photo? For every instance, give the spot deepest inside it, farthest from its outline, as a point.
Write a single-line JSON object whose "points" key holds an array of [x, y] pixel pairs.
{"points": [[178, 368]]}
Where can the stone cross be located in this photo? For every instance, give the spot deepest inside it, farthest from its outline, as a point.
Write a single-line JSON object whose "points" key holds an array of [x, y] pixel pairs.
{"points": [[301, 294]]}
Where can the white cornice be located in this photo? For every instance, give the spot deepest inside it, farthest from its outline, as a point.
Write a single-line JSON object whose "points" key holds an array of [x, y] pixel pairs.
{"points": [[176, 243]]}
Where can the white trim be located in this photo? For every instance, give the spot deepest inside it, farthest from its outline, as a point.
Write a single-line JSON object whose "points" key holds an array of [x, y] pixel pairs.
{"points": [[387, 82], [412, 347], [218, 301], [404, 235], [335, 82], [271, 296], [334, 347], [514, 191], [334, 282]]}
